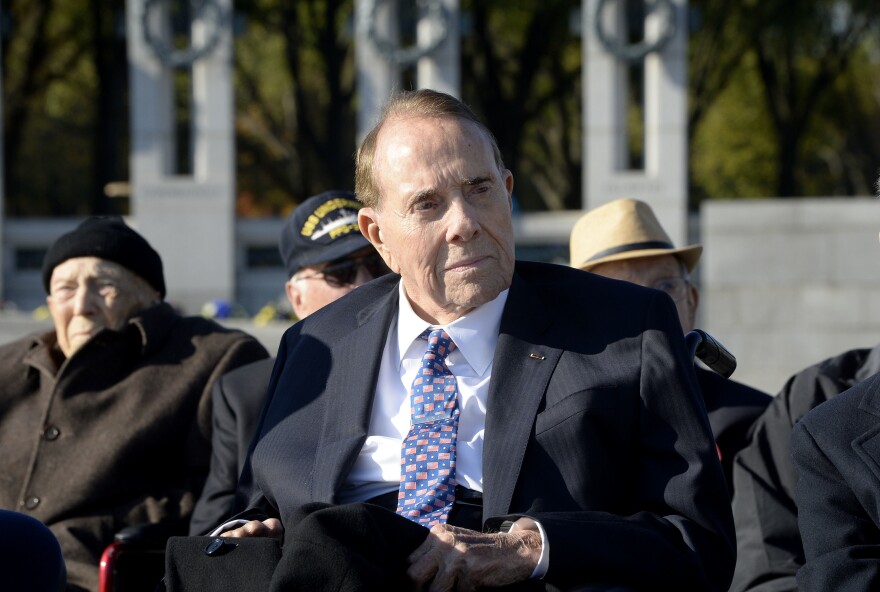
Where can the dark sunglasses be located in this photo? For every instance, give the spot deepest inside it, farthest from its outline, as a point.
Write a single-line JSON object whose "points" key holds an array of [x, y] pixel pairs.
{"points": [[343, 272]]}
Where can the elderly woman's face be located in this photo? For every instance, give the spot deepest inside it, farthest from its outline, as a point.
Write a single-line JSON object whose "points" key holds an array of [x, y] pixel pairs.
{"points": [[87, 294]]}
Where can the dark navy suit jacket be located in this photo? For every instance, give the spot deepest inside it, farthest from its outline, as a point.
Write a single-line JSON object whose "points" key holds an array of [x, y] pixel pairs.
{"points": [[594, 426], [732, 407], [237, 398], [769, 549], [836, 453]]}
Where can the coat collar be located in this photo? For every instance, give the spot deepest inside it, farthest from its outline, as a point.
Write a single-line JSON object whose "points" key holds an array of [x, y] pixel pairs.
{"points": [[151, 326], [870, 367], [870, 402], [154, 325], [43, 355]]}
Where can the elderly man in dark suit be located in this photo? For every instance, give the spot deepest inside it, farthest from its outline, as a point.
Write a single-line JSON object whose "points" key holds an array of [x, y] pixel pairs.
{"points": [[553, 431]]}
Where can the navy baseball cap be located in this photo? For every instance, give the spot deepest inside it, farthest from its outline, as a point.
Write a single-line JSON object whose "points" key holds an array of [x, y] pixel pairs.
{"points": [[322, 228]]}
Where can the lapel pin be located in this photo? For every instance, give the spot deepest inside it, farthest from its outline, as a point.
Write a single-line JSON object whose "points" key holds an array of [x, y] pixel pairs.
{"points": [[536, 356]]}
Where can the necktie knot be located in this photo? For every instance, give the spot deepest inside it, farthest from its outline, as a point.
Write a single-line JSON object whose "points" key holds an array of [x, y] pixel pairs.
{"points": [[439, 343]]}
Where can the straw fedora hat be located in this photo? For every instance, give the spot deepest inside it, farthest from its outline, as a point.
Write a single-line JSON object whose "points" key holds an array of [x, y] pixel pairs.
{"points": [[623, 229]]}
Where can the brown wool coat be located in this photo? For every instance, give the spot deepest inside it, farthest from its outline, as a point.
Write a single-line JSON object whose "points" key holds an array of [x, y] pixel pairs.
{"points": [[119, 434]]}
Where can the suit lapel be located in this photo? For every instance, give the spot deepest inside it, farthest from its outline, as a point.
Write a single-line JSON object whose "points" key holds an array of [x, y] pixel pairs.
{"points": [[350, 393], [867, 445], [522, 368]]}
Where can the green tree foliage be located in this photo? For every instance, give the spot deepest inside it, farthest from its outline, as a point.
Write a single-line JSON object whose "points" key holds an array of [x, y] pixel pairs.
{"points": [[732, 153], [843, 146], [779, 72], [521, 69], [783, 100], [64, 131], [295, 85]]}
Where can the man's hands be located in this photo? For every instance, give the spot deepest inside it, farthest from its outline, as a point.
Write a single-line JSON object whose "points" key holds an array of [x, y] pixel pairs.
{"points": [[271, 527], [454, 558]]}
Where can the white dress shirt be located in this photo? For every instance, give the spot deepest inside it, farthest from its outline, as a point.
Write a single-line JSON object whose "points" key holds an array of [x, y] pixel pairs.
{"points": [[377, 468]]}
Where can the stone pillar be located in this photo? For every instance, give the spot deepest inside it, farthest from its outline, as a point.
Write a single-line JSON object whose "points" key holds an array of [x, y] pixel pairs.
{"points": [[441, 68], [663, 180], [378, 72], [377, 77], [188, 218]]}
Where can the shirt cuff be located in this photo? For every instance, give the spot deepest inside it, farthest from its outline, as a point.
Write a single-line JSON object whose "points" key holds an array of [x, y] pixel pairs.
{"points": [[235, 524], [544, 561]]}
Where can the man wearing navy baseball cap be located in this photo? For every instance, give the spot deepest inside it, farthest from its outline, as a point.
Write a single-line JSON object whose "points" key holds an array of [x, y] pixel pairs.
{"points": [[324, 252], [326, 257]]}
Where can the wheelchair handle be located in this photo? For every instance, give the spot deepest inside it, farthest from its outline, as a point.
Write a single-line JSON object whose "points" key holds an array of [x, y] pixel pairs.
{"points": [[709, 351]]}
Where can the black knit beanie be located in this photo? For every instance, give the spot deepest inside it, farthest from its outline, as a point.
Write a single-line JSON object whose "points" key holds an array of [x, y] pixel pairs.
{"points": [[107, 237]]}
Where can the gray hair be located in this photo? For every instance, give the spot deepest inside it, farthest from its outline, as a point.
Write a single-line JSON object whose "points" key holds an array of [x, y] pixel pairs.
{"points": [[418, 103]]}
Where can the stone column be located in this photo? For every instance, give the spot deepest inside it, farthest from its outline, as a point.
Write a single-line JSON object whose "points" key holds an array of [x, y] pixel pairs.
{"points": [[378, 73], [663, 180], [189, 218], [377, 77], [441, 69]]}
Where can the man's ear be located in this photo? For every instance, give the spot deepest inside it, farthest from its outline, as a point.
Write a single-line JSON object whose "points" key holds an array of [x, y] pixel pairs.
{"points": [[368, 221], [294, 296], [508, 184]]}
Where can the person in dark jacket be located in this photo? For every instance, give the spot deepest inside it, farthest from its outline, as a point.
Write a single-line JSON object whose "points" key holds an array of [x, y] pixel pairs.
{"points": [[582, 450], [326, 257], [24, 539], [769, 547], [624, 240], [105, 421], [837, 461]]}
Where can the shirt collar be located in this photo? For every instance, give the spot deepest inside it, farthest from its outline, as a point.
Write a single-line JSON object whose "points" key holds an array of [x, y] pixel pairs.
{"points": [[475, 334]]}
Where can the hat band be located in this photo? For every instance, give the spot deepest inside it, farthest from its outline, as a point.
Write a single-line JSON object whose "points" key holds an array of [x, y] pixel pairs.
{"points": [[631, 247]]}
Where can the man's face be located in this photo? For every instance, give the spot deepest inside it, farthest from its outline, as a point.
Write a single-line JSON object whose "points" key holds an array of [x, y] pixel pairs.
{"points": [[444, 219], [664, 273], [87, 294], [314, 287]]}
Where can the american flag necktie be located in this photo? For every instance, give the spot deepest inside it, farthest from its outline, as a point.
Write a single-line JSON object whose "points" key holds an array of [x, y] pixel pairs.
{"points": [[427, 464]]}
